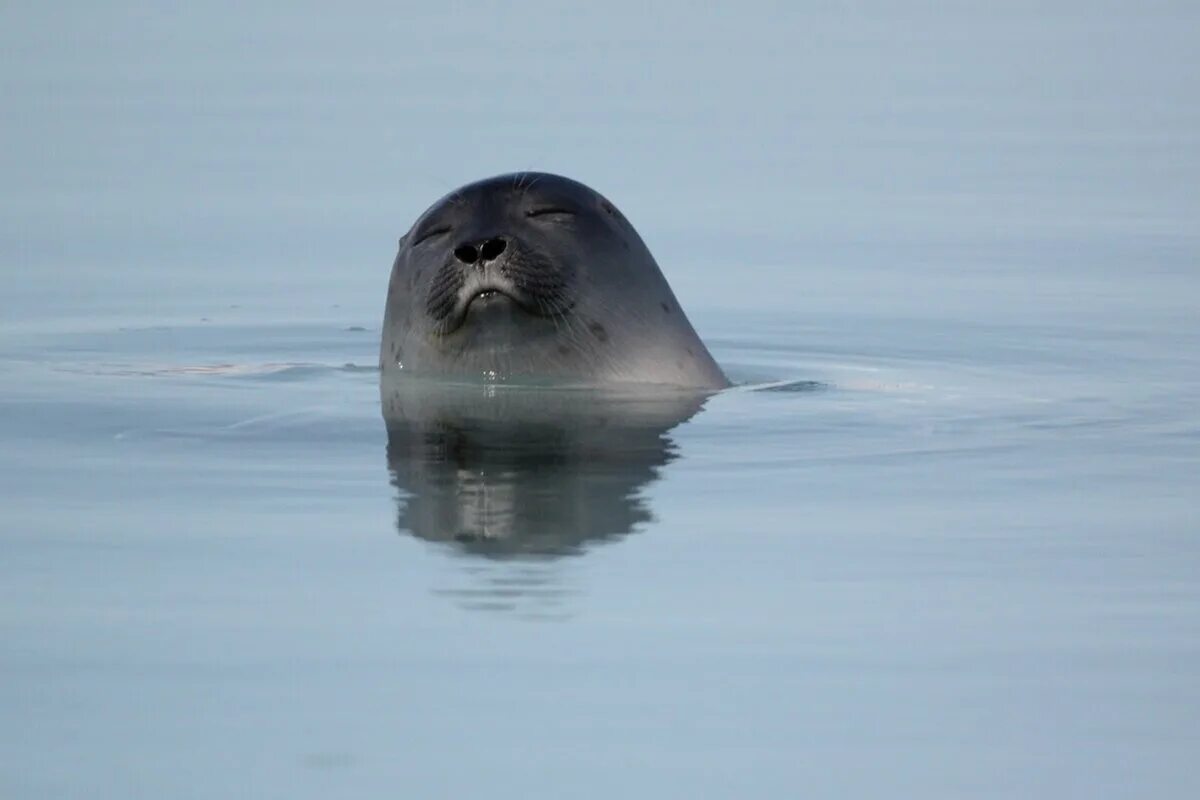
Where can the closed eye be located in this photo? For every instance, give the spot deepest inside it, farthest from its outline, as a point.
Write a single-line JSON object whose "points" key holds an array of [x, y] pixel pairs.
{"points": [[442, 231], [548, 211]]}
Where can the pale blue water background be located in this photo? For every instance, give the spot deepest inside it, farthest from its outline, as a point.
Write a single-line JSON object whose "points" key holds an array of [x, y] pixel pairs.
{"points": [[964, 566]]}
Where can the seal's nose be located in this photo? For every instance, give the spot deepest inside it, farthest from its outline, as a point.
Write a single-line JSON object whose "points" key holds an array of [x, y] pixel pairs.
{"points": [[489, 250]]}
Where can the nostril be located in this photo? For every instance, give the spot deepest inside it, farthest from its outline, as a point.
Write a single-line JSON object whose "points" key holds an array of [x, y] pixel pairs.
{"points": [[466, 254], [492, 248]]}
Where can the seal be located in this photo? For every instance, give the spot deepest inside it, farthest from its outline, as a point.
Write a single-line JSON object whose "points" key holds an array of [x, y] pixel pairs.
{"points": [[536, 278]]}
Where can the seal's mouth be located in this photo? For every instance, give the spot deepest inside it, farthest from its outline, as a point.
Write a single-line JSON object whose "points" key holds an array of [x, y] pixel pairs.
{"points": [[523, 284], [488, 296], [477, 294], [475, 302]]}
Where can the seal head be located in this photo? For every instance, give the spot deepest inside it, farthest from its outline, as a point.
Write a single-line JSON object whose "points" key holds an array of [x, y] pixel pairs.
{"points": [[534, 277]]}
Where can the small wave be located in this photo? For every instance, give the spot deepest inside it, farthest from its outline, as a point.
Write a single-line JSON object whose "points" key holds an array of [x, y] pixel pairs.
{"points": [[273, 372], [792, 387]]}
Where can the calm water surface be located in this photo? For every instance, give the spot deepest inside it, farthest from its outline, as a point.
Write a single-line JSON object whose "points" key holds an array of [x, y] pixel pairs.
{"points": [[940, 540]]}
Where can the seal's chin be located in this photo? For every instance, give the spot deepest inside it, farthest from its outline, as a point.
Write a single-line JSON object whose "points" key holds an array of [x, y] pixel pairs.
{"points": [[487, 309]]}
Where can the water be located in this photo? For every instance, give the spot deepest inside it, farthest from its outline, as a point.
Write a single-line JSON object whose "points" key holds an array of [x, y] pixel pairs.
{"points": [[941, 539]]}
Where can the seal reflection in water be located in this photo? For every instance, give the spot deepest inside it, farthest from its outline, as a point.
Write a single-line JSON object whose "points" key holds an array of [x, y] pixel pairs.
{"points": [[516, 471], [533, 359]]}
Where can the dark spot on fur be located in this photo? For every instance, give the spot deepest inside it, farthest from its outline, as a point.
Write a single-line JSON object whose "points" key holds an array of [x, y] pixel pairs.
{"points": [[666, 308], [563, 350], [690, 353], [608, 208], [598, 331]]}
